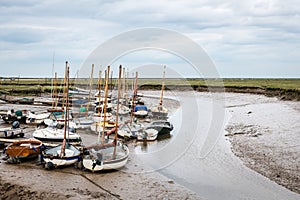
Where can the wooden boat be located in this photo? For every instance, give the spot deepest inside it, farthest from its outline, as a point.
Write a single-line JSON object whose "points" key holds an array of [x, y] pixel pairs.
{"points": [[107, 155], [23, 149], [64, 154], [162, 126]]}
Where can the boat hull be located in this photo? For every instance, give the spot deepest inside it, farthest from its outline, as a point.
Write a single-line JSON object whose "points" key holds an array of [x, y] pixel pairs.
{"points": [[55, 135], [10, 133], [107, 162], [147, 135], [23, 149], [52, 156]]}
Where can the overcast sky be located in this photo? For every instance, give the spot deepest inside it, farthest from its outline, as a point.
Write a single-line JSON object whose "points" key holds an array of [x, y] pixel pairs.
{"points": [[250, 38]]}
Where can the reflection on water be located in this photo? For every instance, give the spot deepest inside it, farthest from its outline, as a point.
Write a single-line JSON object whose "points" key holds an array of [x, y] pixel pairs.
{"points": [[151, 146]]}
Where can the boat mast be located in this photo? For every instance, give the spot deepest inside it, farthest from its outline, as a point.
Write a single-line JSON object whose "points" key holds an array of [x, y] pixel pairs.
{"points": [[117, 113], [126, 88], [53, 92], [91, 83], [123, 84], [99, 91], [162, 87], [134, 95], [105, 101], [52, 74], [65, 90], [66, 124], [99, 97]]}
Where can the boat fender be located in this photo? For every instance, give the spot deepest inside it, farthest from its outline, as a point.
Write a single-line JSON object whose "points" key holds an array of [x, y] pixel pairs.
{"points": [[31, 120], [15, 124], [5, 133], [49, 165], [73, 130], [96, 162], [4, 150], [2, 146], [43, 147]]}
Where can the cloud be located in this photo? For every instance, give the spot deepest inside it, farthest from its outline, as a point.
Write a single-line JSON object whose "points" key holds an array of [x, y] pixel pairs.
{"points": [[234, 33]]}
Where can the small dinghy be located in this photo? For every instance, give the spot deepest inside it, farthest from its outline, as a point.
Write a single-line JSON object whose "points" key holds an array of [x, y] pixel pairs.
{"points": [[11, 132], [147, 135], [23, 149]]}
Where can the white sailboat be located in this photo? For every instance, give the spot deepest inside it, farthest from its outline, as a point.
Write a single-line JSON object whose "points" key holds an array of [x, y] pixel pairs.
{"points": [[138, 109], [160, 111], [32, 118], [106, 155], [64, 154]]}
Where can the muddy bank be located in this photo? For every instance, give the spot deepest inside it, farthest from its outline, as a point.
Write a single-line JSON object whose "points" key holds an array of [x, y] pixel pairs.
{"points": [[282, 94], [269, 126], [31, 181], [28, 180], [264, 133]]}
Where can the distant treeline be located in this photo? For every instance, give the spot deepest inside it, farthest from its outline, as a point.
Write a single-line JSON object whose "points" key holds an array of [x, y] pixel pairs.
{"points": [[277, 87]]}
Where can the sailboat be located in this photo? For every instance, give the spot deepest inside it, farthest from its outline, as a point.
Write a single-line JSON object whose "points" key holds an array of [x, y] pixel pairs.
{"points": [[53, 132], [123, 108], [98, 115], [64, 154], [85, 121], [130, 130], [106, 155], [162, 126], [138, 110], [160, 111], [32, 118], [55, 97]]}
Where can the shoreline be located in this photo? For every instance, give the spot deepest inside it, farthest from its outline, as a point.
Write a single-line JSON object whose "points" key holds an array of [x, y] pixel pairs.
{"points": [[263, 135], [281, 94], [170, 188]]}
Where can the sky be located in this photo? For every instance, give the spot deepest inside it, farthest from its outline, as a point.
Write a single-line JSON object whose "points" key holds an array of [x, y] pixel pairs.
{"points": [[244, 39]]}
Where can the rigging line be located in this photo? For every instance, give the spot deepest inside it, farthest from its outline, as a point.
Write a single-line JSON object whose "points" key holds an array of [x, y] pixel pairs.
{"points": [[102, 188]]}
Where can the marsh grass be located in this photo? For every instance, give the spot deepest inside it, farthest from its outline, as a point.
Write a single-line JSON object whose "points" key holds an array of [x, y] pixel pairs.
{"points": [[25, 85]]}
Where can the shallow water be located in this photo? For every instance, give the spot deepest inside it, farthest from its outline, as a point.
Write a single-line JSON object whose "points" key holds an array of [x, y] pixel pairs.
{"points": [[198, 155]]}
